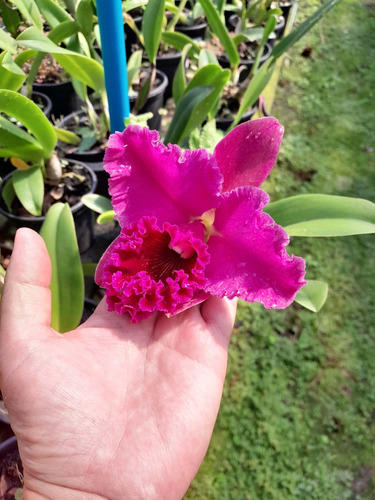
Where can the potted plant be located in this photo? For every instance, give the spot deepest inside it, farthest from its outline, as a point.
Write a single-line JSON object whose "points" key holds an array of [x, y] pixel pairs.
{"points": [[246, 93], [41, 178]]}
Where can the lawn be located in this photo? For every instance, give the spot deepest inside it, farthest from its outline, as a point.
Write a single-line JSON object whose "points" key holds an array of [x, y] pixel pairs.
{"points": [[297, 419]]}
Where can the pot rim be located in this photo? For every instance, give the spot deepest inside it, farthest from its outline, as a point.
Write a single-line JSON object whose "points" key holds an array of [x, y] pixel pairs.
{"points": [[266, 54], [74, 209], [157, 90]]}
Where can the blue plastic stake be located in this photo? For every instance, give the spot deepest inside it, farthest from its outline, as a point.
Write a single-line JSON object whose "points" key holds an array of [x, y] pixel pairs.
{"points": [[114, 59]]}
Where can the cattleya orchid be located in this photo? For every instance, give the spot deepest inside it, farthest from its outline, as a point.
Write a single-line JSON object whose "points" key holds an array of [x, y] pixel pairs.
{"points": [[192, 224]]}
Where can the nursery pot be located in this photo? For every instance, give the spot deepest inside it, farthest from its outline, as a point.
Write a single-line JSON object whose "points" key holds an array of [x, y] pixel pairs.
{"points": [[286, 7], [43, 101], [92, 157], [130, 37], [63, 96], [195, 32], [154, 101], [83, 216], [168, 63], [248, 63], [225, 123], [279, 29]]}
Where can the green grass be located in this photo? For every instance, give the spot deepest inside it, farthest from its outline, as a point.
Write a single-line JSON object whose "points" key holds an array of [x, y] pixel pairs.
{"points": [[297, 420]]}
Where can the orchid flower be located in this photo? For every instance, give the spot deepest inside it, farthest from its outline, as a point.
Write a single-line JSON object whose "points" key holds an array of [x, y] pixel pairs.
{"points": [[192, 224]]}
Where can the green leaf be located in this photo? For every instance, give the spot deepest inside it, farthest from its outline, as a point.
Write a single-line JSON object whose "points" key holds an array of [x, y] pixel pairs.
{"points": [[31, 116], [180, 126], [313, 295], [257, 84], [323, 215], [67, 284], [132, 4], [179, 80], [152, 25], [269, 28], [179, 40], [7, 42], [84, 16], [207, 138], [29, 188], [8, 193], [97, 203], [66, 135], [249, 35], [214, 76], [11, 18], [63, 30], [207, 57], [11, 75], [53, 13], [302, 29], [106, 217], [141, 119], [14, 141], [85, 69], [29, 11], [134, 65], [220, 30]]}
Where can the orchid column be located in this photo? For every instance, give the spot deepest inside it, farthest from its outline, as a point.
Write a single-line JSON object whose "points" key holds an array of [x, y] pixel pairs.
{"points": [[114, 59]]}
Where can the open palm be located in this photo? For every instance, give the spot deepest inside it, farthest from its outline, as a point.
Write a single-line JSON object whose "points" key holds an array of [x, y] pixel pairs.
{"points": [[110, 410]]}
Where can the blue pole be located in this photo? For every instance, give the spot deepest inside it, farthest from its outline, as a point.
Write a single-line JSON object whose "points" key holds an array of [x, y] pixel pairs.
{"points": [[114, 59]]}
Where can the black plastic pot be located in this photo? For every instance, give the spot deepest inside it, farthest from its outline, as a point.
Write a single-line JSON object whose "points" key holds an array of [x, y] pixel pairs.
{"points": [[130, 37], [225, 123], [63, 96], [286, 8], [92, 157], [168, 64], [195, 32], [247, 63], [83, 216], [154, 101], [42, 100], [280, 28]]}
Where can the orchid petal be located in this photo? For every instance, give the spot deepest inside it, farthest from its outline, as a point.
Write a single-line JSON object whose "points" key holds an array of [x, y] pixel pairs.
{"points": [[149, 179], [248, 153], [248, 256]]}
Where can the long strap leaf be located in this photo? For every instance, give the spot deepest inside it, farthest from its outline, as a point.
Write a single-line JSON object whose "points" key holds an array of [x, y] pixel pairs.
{"points": [[67, 284], [323, 215], [28, 113], [220, 30]]}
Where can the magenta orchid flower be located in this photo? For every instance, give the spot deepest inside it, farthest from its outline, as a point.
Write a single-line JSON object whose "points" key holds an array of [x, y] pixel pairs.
{"points": [[192, 224]]}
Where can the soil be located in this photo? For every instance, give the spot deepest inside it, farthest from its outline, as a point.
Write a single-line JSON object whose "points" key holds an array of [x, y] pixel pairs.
{"points": [[49, 71], [10, 475], [74, 183]]}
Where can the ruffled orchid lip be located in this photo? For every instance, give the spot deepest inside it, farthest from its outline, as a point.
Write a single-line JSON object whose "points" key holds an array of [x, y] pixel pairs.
{"points": [[153, 269]]}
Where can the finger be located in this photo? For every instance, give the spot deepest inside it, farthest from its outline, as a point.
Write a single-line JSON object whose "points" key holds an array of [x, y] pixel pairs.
{"points": [[220, 314], [26, 298]]}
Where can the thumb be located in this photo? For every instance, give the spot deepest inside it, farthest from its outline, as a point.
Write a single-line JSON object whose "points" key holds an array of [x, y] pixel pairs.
{"points": [[220, 314], [26, 300]]}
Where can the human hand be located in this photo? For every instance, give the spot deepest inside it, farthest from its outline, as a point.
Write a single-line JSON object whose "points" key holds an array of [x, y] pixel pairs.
{"points": [[110, 410]]}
